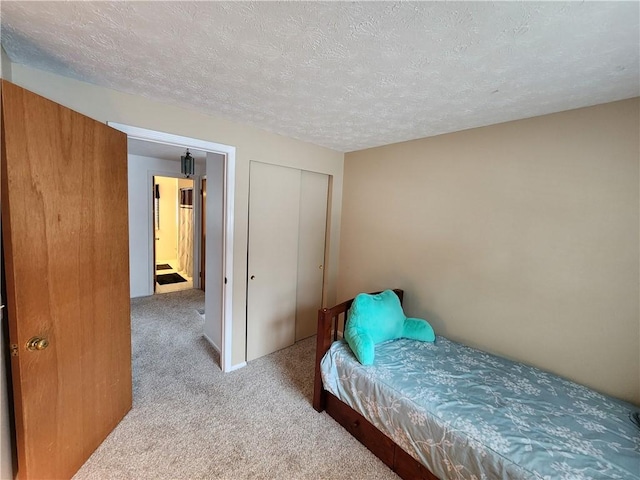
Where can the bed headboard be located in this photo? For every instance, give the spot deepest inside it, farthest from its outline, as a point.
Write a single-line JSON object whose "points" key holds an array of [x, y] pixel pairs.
{"points": [[329, 322]]}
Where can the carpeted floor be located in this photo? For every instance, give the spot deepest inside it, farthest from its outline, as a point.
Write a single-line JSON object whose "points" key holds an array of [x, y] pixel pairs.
{"points": [[191, 421]]}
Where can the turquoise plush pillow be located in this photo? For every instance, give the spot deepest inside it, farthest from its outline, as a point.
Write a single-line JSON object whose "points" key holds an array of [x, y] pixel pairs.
{"points": [[377, 318]]}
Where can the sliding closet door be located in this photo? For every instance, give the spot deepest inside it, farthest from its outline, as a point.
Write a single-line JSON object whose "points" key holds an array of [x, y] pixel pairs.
{"points": [[311, 245], [274, 199]]}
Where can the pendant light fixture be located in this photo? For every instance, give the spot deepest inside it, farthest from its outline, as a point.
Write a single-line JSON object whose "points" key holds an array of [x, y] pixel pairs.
{"points": [[187, 164]]}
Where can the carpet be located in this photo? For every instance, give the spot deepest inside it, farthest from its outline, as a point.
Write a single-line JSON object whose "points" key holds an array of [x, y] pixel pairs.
{"points": [[164, 266], [167, 278], [191, 421]]}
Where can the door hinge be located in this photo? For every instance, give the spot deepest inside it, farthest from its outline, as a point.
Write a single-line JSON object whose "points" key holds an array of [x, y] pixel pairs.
{"points": [[14, 349], [225, 280]]}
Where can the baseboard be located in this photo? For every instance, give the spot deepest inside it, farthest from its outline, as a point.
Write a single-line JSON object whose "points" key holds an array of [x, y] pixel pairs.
{"points": [[237, 366]]}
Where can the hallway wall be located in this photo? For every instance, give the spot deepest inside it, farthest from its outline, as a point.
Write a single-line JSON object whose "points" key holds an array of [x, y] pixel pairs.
{"points": [[167, 235]]}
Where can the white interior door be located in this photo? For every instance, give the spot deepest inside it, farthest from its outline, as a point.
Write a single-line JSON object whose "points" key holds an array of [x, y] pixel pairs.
{"points": [[274, 200], [311, 246]]}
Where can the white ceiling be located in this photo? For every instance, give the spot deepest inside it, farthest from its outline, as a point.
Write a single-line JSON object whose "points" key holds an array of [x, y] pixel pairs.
{"points": [[345, 75]]}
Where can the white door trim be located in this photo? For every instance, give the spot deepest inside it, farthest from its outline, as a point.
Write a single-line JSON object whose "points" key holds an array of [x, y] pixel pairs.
{"points": [[229, 153]]}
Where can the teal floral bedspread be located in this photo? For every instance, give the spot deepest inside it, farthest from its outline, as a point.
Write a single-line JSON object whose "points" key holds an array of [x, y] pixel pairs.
{"points": [[466, 414]]}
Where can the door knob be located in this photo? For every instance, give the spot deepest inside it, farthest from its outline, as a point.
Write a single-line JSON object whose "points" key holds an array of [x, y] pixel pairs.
{"points": [[37, 343], [252, 277]]}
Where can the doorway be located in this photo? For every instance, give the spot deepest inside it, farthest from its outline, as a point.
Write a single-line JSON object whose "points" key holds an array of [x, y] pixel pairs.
{"points": [[174, 239], [220, 171]]}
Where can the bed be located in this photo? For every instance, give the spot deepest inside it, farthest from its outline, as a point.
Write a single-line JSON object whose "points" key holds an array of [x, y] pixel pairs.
{"points": [[443, 410]]}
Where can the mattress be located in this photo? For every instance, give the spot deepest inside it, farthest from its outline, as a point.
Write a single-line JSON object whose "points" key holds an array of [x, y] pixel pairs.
{"points": [[466, 414]]}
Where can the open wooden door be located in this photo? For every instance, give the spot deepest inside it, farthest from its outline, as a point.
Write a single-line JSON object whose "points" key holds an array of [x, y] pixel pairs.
{"points": [[64, 226]]}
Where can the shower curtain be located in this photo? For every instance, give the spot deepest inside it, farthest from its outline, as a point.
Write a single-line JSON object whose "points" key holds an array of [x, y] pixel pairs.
{"points": [[185, 232]]}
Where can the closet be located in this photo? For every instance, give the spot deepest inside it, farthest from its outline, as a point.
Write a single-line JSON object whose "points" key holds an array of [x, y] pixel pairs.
{"points": [[287, 230]]}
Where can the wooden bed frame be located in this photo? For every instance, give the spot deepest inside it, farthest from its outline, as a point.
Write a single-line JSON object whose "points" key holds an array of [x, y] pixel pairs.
{"points": [[329, 322]]}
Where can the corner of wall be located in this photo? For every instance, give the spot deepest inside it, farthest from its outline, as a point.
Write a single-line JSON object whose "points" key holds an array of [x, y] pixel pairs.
{"points": [[534, 223], [5, 65]]}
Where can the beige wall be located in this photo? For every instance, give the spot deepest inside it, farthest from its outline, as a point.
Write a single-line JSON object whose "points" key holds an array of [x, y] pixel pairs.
{"points": [[251, 144], [519, 238]]}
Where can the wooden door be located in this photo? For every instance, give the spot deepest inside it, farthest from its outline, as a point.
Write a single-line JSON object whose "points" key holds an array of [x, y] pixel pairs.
{"points": [[203, 232], [274, 199], [154, 220], [64, 226], [312, 229]]}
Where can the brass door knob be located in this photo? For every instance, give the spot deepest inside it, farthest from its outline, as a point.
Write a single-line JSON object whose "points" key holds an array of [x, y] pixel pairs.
{"points": [[37, 343]]}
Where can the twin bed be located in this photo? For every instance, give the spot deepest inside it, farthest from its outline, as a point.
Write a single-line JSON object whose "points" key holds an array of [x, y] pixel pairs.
{"points": [[443, 410]]}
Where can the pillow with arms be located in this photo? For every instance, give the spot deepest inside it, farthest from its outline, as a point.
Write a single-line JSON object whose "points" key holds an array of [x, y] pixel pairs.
{"points": [[376, 318]]}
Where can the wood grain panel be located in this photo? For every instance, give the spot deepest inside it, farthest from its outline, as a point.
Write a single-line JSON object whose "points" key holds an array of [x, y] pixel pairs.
{"points": [[203, 233], [64, 218], [358, 426], [409, 468]]}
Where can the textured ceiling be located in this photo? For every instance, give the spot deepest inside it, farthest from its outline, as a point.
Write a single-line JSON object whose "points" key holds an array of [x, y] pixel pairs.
{"points": [[342, 75]]}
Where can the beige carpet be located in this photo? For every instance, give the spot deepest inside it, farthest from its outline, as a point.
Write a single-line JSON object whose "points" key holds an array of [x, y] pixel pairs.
{"points": [[189, 420]]}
